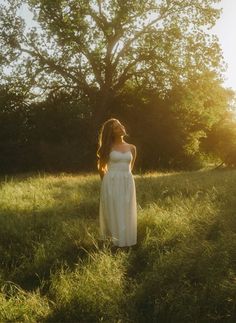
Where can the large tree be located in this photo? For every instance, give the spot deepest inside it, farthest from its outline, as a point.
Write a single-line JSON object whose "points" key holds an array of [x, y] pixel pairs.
{"points": [[93, 48]]}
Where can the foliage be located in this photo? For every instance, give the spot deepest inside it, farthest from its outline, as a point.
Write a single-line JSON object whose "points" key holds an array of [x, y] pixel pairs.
{"points": [[49, 135], [13, 129], [169, 131], [221, 140], [96, 47], [56, 134]]}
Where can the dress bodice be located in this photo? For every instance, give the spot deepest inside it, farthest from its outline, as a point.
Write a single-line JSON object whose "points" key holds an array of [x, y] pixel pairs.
{"points": [[119, 161]]}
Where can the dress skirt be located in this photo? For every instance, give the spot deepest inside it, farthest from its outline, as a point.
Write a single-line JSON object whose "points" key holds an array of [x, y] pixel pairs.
{"points": [[118, 209]]}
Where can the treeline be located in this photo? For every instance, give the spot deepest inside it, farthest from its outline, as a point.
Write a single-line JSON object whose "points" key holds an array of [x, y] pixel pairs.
{"points": [[191, 124]]}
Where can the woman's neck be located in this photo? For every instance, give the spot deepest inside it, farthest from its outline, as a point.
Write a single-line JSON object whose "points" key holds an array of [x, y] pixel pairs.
{"points": [[119, 141]]}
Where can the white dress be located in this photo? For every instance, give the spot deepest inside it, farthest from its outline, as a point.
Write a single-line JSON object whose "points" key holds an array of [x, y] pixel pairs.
{"points": [[118, 209]]}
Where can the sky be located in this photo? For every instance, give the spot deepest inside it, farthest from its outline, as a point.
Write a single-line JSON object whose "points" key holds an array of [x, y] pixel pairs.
{"points": [[224, 29]]}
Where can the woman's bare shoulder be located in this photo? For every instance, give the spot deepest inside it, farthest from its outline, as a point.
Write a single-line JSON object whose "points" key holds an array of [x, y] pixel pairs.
{"points": [[132, 147]]}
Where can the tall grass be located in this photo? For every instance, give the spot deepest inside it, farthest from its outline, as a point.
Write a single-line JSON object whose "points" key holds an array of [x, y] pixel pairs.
{"points": [[54, 268]]}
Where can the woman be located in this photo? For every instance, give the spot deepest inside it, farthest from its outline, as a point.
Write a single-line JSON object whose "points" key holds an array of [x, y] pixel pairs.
{"points": [[118, 209]]}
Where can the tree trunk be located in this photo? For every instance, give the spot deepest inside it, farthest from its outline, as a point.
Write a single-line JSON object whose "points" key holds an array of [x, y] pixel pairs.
{"points": [[102, 107]]}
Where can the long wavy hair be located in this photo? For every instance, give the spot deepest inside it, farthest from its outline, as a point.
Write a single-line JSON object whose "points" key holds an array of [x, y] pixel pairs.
{"points": [[105, 140]]}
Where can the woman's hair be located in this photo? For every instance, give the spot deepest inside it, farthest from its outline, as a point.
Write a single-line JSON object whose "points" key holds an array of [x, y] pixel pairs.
{"points": [[105, 141]]}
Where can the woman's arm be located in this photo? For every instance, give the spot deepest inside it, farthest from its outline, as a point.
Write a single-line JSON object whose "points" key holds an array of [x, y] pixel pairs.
{"points": [[102, 171], [134, 153]]}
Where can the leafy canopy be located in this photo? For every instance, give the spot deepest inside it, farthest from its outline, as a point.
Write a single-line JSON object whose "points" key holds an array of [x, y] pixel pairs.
{"points": [[98, 46]]}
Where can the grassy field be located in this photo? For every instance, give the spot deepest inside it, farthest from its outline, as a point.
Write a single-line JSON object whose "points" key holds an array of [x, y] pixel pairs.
{"points": [[54, 268]]}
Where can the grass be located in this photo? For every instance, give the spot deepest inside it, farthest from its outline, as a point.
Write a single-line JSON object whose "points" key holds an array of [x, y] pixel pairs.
{"points": [[54, 268]]}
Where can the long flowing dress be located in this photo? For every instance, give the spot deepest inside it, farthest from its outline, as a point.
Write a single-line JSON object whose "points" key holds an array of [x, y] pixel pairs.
{"points": [[118, 208]]}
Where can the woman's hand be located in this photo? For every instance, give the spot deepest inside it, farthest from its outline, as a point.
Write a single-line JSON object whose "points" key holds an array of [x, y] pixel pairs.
{"points": [[102, 172]]}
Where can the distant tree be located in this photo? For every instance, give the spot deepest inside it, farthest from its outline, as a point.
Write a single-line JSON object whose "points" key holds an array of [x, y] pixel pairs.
{"points": [[60, 131], [221, 140], [13, 128], [170, 131], [96, 47], [197, 105]]}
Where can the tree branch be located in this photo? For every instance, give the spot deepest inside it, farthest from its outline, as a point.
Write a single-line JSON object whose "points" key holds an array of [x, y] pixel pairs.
{"points": [[138, 34], [59, 69], [93, 64], [125, 76]]}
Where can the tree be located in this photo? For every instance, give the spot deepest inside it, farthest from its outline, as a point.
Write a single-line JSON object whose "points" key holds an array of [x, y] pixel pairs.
{"points": [[221, 140], [197, 105], [170, 132], [94, 48], [13, 129]]}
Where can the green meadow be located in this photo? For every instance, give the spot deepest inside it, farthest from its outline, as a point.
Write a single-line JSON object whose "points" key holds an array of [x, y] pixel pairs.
{"points": [[54, 268]]}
